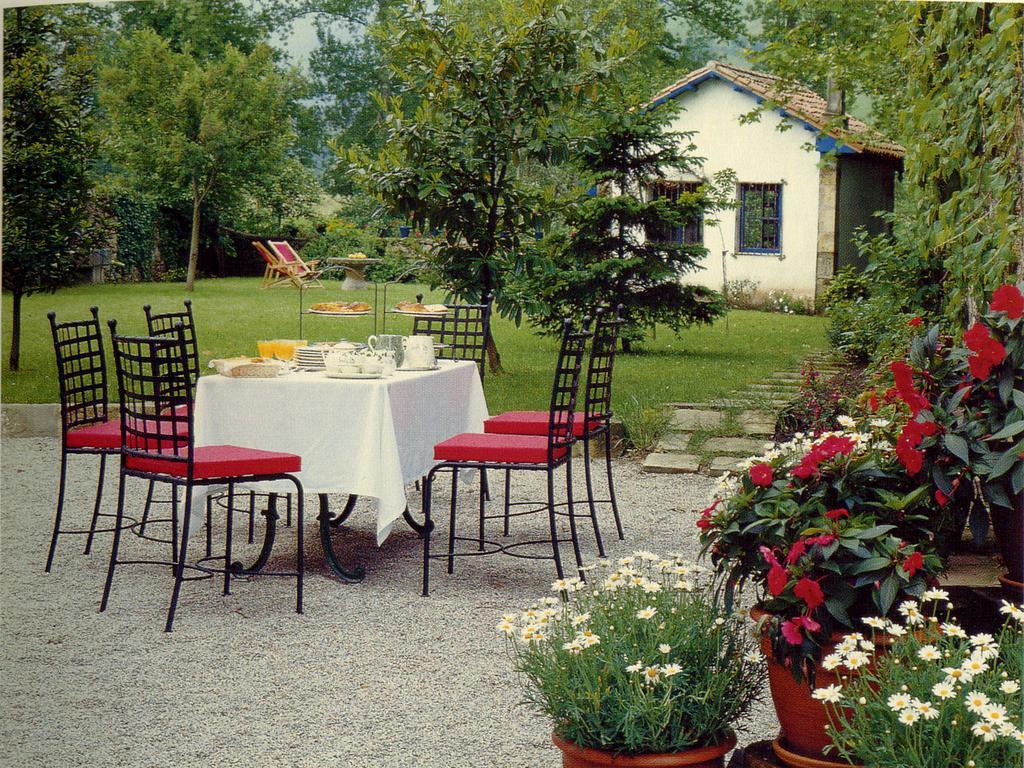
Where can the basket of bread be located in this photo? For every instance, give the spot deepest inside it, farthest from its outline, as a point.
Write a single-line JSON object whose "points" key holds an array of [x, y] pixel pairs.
{"points": [[250, 367]]}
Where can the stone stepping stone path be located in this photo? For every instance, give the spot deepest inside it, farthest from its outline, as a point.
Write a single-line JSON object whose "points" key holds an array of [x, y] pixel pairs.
{"points": [[714, 437]]}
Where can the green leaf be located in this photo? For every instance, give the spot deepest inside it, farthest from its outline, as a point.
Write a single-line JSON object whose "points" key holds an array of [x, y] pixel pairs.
{"points": [[874, 532], [957, 446], [871, 564], [886, 594], [838, 611], [1008, 431]]}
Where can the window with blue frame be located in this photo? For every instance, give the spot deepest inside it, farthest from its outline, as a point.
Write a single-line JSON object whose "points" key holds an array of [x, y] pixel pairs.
{"points": [[692, 233], [760, 218]]}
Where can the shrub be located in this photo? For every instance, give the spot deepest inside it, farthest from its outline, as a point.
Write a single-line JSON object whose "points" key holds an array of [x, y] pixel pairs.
{"points": [[741, 294], [820, 402], [641, 660], [644, 421], [828, 531], [936, 698]]}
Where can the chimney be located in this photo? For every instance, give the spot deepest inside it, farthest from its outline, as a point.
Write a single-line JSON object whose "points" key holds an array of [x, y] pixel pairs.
{"points": [[835, 102]]}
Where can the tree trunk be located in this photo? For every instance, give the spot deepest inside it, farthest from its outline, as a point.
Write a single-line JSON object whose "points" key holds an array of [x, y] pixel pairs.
{"points": [[15, 358], [493, 356], [193, 246]]}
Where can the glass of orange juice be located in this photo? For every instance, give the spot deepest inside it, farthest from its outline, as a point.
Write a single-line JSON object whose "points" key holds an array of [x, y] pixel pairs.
{"points": [[282, 349]]}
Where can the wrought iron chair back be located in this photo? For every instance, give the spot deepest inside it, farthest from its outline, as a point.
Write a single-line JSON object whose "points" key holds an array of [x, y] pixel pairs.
{"points": [[164, 324], [565, 388], [81, 371], [462, 331], [598, 397], [155, 380]]}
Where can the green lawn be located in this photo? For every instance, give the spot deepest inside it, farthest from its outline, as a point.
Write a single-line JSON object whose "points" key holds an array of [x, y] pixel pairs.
{"points": [[232, 313]]}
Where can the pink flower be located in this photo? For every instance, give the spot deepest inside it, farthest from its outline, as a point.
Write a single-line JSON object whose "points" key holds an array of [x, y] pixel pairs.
{"points": [[761, 475], [791, 631]]}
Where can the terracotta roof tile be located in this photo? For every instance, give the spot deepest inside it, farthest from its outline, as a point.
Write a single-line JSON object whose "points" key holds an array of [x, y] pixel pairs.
{"points": [[801, 102]]}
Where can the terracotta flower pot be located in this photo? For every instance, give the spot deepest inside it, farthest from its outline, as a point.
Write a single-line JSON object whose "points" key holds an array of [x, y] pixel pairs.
{"points": [[1008, 526], [575, 756], [802, 718]]}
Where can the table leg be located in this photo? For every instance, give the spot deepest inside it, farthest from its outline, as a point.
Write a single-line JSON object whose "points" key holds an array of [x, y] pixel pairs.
{"points": [[358, 573], [270, 532]]}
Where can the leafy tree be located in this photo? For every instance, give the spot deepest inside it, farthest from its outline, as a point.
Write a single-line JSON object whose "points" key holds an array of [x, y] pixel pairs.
{"points": [[201, 131], [618, 248], [49, 142], [488, 101]]}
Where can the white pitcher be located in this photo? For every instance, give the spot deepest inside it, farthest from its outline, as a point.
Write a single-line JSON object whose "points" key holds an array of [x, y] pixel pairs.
{"points": [[419, 352]]}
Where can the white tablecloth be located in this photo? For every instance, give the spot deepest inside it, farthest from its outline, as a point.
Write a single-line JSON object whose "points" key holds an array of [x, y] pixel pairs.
{"points": [[368, 437]]}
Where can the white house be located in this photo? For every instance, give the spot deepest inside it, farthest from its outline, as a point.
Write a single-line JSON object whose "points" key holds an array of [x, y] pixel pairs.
{"points": [[796, 214]]}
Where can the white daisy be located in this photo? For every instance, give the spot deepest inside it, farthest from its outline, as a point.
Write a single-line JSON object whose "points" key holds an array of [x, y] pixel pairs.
{"points": [[671, 669], [1009, 686], [651, 674], [898, 701], [928, 653], [875, 622], [580, 619], [975, 665], [561, 585], [753, 657], [830, 693], [958, 674], [927, 710], [984, 730], [636, 667], [935, 594], [664, 648], [646, 613], [856, 659], [573, 647], [909, 716], [994, 713], [506, 626], [943, 691], [982, 639], [952, 630], [976, 701], [832, 661]]}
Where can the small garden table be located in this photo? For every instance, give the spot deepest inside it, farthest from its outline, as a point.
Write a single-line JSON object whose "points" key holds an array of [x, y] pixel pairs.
{"points": [[368, 437], [355, 272]]}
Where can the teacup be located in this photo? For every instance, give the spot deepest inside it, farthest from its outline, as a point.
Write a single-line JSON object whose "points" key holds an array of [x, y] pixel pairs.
{"points": [[419, 352]]}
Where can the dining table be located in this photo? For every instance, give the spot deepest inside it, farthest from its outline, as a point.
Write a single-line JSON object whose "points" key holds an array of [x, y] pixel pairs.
{"points": [[365, 437]]}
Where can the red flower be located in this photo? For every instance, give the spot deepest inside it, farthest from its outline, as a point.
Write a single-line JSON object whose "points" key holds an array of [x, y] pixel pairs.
{"points": [[903, 378], [768, 555], [791, 631], [777, 579], [705, 516], [911, 435], [988, 352], [798, 550], [810, 592], [940, 498], [913, 563], [835, 514], [1008, 299], [873, 402], [761, 475], [914, 322], [822, 540]]}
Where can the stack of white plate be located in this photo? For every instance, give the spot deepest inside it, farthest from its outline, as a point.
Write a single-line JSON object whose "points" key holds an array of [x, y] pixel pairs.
{"points": [[311, 356]]}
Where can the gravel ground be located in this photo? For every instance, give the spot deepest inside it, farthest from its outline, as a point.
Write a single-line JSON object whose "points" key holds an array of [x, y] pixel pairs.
{"points": [[371, 675]]}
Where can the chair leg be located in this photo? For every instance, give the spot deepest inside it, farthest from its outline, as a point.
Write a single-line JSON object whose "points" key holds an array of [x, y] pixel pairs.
{"points": [[115, 544], [611, 485], [484, 485], [590, 497], [483, 492], [60, 509], [145, 509], [551, 520], [300, 555], [174, 524], [209, 525], [508, 494], [428, 483], [252, 516], [572, 516], [451, 521], [182, 555], [288, 511], [227, 539], [96, 508]]}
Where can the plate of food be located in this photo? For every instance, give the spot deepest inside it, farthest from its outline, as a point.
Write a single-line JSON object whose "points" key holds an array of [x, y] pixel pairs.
{"points": [[416, 309], [340, 308]]}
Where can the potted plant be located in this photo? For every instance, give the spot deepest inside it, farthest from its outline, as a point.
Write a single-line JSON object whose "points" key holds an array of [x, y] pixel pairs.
{"points": [[827, 531], [936, 699], [638, 667], [971, 390]]}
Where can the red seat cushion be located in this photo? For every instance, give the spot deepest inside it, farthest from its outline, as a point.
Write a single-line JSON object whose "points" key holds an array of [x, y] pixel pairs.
{"points": [[212, 461], [517, 449], [107, 434], [104, 434], [532, 423]]}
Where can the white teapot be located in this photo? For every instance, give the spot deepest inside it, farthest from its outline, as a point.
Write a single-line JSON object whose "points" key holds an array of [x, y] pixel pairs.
{"points": [[419, 352]]}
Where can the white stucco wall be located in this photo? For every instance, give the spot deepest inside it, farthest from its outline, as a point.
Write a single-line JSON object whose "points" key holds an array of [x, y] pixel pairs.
{"points": [[758, 153]]}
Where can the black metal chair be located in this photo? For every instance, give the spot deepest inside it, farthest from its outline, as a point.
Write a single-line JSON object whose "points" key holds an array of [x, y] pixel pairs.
{"points": [[462, 332], [516, 452], [86, 427], [157, 444], [594, 421]]}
